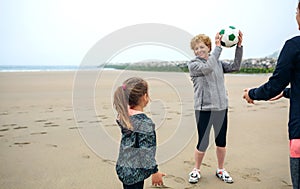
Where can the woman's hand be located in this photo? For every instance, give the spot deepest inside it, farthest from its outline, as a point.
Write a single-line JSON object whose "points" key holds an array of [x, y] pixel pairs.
{"points": [[218, 39], [240, 39]]}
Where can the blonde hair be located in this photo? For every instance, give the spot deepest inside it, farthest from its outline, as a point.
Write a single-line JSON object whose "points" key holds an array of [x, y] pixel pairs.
{"points": [[128, 96], [201, 38]]}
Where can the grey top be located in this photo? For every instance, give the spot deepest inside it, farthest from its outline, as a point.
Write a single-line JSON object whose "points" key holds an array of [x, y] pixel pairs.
{"points": [[208, 79]]}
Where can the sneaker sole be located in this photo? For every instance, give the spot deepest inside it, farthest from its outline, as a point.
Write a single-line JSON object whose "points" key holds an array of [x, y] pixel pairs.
{"points": [[193, 181], [228, 182]]}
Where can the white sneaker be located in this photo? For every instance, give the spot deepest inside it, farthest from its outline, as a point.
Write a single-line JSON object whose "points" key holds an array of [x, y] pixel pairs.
{"points": [[224, 175], [194, 176]]}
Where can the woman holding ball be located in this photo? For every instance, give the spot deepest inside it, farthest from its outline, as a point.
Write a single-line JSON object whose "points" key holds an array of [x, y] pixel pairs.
{"points": [[210, 99]]}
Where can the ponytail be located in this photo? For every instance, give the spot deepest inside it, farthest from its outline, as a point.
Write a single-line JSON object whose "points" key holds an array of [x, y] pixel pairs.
{"points": [[128, 96], [121, 106]]}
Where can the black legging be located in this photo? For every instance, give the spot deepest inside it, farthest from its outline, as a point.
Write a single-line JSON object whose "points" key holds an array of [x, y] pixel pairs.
{"points": [[205, 120], [139, 185], [295, 170]]}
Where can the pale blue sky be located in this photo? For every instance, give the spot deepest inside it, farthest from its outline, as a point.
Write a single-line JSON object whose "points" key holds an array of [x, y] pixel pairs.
{"points": [[61, 32]]}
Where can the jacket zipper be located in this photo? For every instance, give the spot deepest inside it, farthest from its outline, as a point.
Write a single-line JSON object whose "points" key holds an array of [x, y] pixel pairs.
{"points": [[201, 100]]}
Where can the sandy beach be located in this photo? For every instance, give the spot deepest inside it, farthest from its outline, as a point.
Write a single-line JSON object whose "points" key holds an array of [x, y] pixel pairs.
{"points": [[55, 134]]}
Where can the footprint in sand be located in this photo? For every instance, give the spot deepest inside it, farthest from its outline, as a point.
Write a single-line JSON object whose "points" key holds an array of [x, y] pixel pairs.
{"points": [[263, 107], [20, 144], [41, 120], [54, 125], [22, 112], [286, 183], [283, 107], [109, 161], [5, 129], [48, 123], [191, 187], [24, 127], [252, 175], [75, 127], [67, 110], [176, 179], [163, 186], [4, 113], [52, 145], [191, 163], [98, 121], [86, 156], [110, 125], [206, 165], [188, 114], [106, 107], [179, 180], [9, 125], [39, 133], [175, 112]]}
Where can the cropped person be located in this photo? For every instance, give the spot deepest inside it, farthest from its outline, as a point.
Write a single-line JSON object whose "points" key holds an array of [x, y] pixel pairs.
{"points": [[287, 72]]}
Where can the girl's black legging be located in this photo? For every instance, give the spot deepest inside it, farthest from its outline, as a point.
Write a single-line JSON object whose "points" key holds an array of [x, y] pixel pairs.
{"points": [[205, 120], [139, 185]]}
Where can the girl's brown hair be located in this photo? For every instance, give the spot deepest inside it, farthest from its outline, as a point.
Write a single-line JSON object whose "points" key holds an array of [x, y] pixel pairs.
{"points": [[128, 96]]}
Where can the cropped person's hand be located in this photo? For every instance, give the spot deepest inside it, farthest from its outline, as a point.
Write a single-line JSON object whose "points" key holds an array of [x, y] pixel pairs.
{"points": [[157, 179], [240, 39], [246, 96]]}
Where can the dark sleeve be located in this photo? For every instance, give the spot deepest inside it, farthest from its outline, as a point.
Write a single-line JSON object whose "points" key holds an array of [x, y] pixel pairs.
{"points": [[287, 92], [281, 76]]}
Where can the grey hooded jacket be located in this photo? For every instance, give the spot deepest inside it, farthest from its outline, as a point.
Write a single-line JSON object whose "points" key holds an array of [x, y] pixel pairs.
{"points": [[208, 80]]}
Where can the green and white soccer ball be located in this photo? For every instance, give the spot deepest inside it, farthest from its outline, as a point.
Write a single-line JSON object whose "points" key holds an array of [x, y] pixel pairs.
{"points": [[230, 36]]}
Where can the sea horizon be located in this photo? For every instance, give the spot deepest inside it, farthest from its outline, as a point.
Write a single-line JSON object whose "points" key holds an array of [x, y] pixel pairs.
{"points": [[41, 68]]}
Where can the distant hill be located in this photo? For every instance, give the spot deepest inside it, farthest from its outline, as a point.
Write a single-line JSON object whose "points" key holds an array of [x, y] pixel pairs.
{"points": [[250, 65], [274, 55]]}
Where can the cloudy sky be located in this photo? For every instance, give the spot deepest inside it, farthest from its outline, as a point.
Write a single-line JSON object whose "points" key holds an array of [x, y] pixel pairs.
{"points": [[61, 32]]}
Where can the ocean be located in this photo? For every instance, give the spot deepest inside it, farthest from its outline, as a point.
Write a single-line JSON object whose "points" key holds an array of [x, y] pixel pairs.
{"points": [[25, 68]]}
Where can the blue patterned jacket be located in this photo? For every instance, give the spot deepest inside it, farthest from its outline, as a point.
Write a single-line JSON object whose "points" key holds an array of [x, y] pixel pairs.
{"points": [[136, 160]]}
